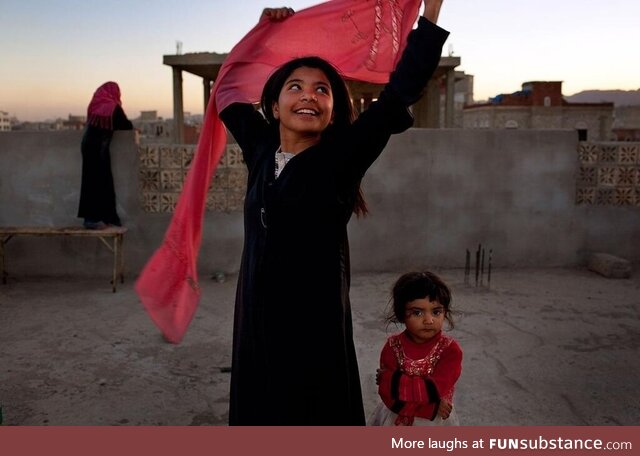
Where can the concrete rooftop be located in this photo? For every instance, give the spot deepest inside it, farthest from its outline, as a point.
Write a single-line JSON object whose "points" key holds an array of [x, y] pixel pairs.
{"points": [[541, 347]]}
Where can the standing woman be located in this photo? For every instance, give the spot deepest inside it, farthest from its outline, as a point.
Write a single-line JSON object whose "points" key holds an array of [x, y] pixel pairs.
{"points": [[97, 194], [294, 360]]}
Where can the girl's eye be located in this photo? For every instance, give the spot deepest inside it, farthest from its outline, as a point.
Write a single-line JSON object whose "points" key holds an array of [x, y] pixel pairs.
{"points": [[294, 87], [437, 312], [323, 89], [416, 313]]}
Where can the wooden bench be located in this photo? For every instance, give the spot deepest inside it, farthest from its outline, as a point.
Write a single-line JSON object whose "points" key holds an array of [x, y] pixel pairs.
{"points": [[112, 237]]}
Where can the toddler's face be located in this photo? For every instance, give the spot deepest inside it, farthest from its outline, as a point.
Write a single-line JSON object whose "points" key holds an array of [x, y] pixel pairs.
{"points": [[423, 319]]}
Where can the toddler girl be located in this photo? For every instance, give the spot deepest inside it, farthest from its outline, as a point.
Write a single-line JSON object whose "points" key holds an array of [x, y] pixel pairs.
{"points": [[419, 366]]}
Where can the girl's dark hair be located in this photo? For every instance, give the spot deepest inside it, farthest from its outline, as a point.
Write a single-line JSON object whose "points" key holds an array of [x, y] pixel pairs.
{"points": [[343, 111], [419, 285]]}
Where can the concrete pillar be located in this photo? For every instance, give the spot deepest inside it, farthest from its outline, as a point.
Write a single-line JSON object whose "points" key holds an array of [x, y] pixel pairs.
{"points": [[427, 111], [435, 101], [449, 108], [178, 107], [207, 92]]}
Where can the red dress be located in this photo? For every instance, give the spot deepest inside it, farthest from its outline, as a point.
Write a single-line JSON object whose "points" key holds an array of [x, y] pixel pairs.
{"points": [[415, 378]]}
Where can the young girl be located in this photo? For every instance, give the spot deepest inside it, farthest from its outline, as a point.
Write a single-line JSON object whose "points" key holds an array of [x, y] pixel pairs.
{"points": [[420, 366], [294, 360]]}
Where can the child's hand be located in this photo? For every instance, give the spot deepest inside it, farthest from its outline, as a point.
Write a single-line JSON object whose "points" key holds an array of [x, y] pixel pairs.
{"points": [[444, 410], [276, 14]]}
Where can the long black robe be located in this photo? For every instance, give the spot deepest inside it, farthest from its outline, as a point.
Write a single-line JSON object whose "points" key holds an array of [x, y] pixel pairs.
{"points": [[97, 193], [294, 359]]}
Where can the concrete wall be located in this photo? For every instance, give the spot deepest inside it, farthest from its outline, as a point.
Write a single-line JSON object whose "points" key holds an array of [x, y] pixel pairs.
{"points": [[436, 193], [40, 185], [597, 120], [432, 194]]}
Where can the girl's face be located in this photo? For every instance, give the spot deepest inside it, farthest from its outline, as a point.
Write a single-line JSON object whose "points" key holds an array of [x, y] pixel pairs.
{"points": [[423, 319], [305, 105]]}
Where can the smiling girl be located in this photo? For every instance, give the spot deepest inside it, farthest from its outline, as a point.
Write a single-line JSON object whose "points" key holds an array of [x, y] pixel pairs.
{"points": [[294, 360]]}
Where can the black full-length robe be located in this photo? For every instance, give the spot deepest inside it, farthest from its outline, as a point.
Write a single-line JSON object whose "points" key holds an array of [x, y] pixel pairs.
{"points": [[294, 359], [97, 193]]}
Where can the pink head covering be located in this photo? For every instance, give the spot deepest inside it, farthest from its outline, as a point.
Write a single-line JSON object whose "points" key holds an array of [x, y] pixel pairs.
{"points": [[362, 38], [104, 102]]}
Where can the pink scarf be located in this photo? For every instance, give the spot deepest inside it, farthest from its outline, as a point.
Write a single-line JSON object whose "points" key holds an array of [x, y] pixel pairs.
{"points": [[104, 102], [362, 38]]}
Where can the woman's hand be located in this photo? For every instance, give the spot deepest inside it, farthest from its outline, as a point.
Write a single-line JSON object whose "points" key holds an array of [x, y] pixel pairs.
{"points": [[276, 14], [444, 409], [432, 10]]}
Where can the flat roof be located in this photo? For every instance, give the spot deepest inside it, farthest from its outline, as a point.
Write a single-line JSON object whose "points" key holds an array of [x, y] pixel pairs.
{"points": [[207, 64]]}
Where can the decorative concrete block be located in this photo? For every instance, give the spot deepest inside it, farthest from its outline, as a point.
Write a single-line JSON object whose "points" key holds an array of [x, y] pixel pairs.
{"points": [[610, 266]]}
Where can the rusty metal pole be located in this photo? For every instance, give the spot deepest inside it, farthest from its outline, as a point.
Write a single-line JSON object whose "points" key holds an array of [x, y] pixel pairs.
{"points": [[477, 263], [482, 268], [489, 271], [467, 266]]}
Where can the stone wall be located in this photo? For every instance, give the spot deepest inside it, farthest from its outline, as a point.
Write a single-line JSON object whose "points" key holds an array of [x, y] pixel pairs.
{"points": [[627, 117], [530, 195], [598, 121]]}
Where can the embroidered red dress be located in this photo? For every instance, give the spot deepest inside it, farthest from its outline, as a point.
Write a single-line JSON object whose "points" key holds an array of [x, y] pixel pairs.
{"points": [[415, 378]]}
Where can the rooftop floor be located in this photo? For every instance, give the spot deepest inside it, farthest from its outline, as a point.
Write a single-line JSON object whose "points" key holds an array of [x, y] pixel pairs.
{"points": [[541, 347]]}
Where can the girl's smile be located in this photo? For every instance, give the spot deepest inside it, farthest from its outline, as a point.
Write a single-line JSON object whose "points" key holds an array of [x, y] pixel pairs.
{"points": [[304, 107]]}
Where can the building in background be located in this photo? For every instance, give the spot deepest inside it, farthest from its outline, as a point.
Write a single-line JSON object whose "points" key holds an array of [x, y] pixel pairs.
{"points": [[153, 129], [540, 105], [74, 122], [156, 130], [626, 125], [5, 121], [437, 108], [463, 96]]}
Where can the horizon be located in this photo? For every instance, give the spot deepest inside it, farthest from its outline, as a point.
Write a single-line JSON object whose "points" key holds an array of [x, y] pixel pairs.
{"points": [[62, 51], [136, 116]]}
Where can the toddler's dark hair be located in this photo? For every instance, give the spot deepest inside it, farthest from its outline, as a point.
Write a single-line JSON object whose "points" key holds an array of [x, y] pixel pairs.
{"points": [[419, 285]]}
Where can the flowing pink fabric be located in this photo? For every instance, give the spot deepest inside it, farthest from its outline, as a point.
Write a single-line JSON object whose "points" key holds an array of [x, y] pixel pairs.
{"points": [[362, 38], [104, 102]]}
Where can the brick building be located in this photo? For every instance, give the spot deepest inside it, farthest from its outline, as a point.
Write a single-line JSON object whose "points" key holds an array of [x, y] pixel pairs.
{"points": [[540, 105]]}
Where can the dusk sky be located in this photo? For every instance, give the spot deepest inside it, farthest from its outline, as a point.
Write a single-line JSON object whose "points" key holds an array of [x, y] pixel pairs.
{"points": [[57, 52]]}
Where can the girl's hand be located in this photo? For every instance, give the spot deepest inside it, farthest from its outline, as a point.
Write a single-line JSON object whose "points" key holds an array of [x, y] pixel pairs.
{"points": [[444, 410], [432, 10], [276, 14], [378, 375]]}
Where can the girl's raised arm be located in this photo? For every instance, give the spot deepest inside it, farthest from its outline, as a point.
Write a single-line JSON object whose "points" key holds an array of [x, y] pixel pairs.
{"points": [[432, 10]]}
